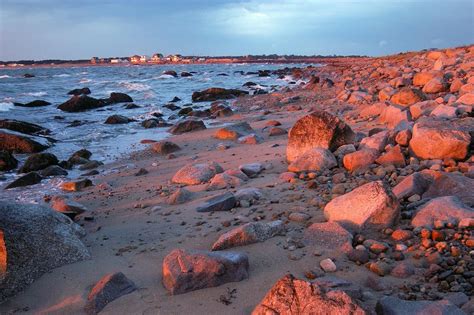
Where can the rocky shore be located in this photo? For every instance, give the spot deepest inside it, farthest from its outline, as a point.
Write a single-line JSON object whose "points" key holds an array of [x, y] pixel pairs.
{"points": [[350, 194]]}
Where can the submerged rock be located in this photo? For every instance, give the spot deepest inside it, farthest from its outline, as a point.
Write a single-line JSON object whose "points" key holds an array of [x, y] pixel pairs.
{"points": [[7, 161], [38, 161], [36, 240], [81, 103], [20, 143], [29, 179], [35, 103], [24, 127]]}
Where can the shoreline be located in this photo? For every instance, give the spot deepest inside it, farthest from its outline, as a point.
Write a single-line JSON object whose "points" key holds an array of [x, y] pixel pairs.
{"points": [[132, 223]]}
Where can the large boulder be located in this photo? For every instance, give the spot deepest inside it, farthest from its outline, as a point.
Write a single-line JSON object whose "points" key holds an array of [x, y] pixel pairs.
{"points": [[81, 91], [109, 288], [293, 296], [23, 127], [421, 78], [414, 184], [328, 235], [437, 139], [35, 240], [81, 103], [29, 179], [407, 96], [316, 159], [195, 174], [370, 206], [213, 94], [38, 161], [319, 129], [250, 233], [21, 143], [390, 305], [448, 208], [185, 271], [187, 126]]}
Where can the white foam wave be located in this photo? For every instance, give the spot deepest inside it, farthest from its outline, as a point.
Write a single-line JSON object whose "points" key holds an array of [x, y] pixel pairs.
{"points": [[5, 106], [37, 94], [85, 81], [165, 76], [63, 75], [5, 76], [135, 86]]}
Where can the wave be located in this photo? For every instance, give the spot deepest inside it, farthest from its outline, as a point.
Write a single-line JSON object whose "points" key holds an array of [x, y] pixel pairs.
{"points": [[5, 106], [37, 94], [165, 76], [85, 81], [63, 75], [135, 86], [4, 76]]}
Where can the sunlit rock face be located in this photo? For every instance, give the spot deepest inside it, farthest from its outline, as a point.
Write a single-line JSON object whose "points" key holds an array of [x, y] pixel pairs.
{"points": [[34, 240], [317, 130]]}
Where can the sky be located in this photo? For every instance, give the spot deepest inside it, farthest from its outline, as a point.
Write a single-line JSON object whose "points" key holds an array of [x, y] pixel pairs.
{"points": [[80, 29]]}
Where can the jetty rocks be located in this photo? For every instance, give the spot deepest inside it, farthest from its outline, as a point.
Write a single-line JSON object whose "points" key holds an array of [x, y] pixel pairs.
{"points": [[34, 240]]}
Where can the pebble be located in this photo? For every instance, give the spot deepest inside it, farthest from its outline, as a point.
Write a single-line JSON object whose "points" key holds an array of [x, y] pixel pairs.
{"points": [[328, 265]]}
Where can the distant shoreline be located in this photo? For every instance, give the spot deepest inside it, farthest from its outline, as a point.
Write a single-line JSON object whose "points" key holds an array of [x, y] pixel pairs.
{"points": [[325, 60]]}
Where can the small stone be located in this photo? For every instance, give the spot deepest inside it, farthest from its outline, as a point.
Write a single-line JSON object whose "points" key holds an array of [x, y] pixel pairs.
{"points": [[328, 265]]}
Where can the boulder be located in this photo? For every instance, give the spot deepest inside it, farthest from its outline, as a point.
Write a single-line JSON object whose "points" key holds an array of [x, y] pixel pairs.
{"points": [[35, 103], [224, 181], [81, 103], [250, 233], [213, 94], [328, 235], [109, 288], [435, 85], [53, 170], [82, 91], [394, 115], [252, 169], [180, 196], [117, 119], [390, 305], [448, 208], [185, 271], [319, 129], [360, 160], [171, 73], [447, 184], [393, 156], [292, 296], [119, 98], [67, 207], [23, 127], [35, 240], [250, 139], [187, 126], [76, 185], [377, 141], [445, 111], [38, 161], [195, 174], [7, 161], [421, 78], [165, 147], [407, 96], [372, 206], [29, 179], [233, 132], [436, 139], [413, 184], [316, 159], [20, 143], [422, 109], [466, 99], [222, 202]]}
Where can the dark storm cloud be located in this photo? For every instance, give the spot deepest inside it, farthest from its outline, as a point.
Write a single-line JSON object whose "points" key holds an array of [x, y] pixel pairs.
{"points": [[39, 29]]}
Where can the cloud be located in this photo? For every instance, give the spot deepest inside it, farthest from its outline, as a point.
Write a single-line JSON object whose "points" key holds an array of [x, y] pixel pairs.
{"points": [[383, 42]]}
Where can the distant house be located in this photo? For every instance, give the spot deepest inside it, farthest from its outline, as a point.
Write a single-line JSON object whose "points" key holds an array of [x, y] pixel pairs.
{"points": [[176, 58], [135, 59], [156, 57], [144, 59], [115, 60], [94, 60]]}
